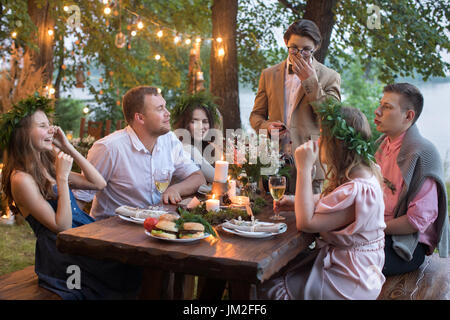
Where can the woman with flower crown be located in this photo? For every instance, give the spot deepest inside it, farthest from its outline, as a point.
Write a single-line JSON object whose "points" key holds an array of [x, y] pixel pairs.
{"points": [[348, 257], [36, 180], [193, 118]]}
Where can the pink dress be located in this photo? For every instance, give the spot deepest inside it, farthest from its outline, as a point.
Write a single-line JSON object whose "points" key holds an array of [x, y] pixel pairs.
{"points": [[348, 262]]}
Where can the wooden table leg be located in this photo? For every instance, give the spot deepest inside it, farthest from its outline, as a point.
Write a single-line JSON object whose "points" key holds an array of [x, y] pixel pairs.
{"points": [[240, 290], [156, 285], [184, 285]]}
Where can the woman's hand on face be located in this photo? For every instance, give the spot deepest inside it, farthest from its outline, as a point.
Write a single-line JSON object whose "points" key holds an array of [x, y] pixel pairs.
{"points": [[63, 166], [306, 155], [60, 140]]}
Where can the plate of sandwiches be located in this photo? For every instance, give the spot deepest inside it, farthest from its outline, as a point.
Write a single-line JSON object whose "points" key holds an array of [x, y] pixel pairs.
{"points": [[138, 215], [168, 230]]}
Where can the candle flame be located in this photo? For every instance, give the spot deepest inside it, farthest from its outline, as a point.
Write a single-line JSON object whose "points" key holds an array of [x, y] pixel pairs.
{"points": [[213, 196]]}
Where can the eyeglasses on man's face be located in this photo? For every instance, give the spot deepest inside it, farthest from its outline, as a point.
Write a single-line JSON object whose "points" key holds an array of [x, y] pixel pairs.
{"points": [[304, 52]]}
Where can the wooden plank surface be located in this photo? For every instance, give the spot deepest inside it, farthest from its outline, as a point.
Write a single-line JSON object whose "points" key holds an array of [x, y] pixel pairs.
{"points": [[23, 285], [430, 282], [229, 257]]}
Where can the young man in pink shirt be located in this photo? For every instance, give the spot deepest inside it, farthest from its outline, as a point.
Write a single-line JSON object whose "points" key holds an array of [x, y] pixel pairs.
{"points": [[414, 190]]}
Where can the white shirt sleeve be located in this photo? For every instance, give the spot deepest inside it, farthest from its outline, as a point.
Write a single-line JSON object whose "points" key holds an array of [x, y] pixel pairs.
{"points": [[102, 159]]}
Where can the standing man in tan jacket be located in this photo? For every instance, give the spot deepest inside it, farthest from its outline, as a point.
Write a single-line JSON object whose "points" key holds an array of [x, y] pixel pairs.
{"points": [[286, 91]]}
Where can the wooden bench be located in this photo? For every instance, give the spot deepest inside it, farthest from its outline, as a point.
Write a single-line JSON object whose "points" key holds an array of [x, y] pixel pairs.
{"points": [[430, 282], [23, 285]]}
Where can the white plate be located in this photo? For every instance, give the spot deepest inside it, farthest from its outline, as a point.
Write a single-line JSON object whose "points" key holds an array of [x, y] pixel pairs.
{"points": [[178, 240], [131, 219], [248, 234]]}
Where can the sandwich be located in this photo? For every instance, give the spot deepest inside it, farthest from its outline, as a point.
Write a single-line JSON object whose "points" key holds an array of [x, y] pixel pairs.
{"points": [[169, 217], [165, 229], [189, 230]]}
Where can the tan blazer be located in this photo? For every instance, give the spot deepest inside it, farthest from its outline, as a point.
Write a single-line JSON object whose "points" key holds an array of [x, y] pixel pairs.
{"points": [[269, 102]]}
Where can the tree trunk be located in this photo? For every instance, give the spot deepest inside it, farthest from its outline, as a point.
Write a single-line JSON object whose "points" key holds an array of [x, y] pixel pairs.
{"points": [[322, 13], [224, 68], [42, 18]]}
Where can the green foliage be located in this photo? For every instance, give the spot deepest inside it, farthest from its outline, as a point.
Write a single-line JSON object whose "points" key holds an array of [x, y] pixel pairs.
{"points": [[332, 123], [186, 216], [216, 217], [17, 248], [257, 46], [410, 39], [187, 102], [409, 42], [68, 113], [361, 89]]}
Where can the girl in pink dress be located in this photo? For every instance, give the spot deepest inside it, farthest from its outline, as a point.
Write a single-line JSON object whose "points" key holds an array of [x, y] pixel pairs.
{"points": [[348, 259]]}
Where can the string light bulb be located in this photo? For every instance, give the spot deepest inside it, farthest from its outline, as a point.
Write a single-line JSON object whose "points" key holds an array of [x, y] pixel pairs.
{"points": [[66, 8], [157, 57], [14, 34], [107, 10], [198, 40], [159, 34], [50, 32], [219, 40], [86, 110], [133, 33], [176, 39], [221, 52], [140, 25], [188, 41]]}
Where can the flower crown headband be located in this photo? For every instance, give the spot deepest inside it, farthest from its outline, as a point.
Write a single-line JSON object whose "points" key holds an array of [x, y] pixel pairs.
{"points": [[331, 118], [188, 102], [10, 120]]}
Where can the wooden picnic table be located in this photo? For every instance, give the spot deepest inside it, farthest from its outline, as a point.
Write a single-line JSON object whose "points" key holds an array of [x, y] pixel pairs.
{"points": [[243, 262]]}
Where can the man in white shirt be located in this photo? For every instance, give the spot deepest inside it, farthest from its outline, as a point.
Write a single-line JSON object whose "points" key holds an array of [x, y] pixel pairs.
{"points": [[128, 158]]}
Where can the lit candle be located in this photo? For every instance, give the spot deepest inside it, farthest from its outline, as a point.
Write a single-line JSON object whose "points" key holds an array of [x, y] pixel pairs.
{"points": [[221, 171], [213, 204], [231, 188]]}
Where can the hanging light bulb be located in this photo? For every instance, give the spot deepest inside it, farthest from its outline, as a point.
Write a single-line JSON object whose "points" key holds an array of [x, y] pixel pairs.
{"points": [[140, 25], [107, 10], [66, 8], [86, 110], [176, 39], [188, 41], [198, 40], [133, 33], [120, 40], [159, 34], [157, 57]]}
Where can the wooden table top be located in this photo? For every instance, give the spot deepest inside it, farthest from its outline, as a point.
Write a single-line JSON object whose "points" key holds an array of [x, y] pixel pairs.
{"points": [[228, 257]]}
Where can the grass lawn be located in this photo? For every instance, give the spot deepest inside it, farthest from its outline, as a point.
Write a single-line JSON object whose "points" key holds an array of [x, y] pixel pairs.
{"points": [[17, 246]]}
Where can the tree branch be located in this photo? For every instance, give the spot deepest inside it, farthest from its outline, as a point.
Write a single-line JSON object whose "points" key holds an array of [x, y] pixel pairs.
{"points": [[297, 10]]}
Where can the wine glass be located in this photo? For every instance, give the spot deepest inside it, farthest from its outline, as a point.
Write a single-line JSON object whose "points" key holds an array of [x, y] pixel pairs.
{"points": [[277, 187], [162, 179]]}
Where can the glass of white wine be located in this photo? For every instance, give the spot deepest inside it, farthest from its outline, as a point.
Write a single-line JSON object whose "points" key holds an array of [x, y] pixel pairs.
{"points": [[277, 187], [162, 179]]}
